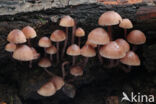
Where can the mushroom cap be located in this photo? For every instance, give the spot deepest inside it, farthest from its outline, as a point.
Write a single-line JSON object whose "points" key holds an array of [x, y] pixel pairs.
{"points": [[44, 42], [131, 59], [58, 82], [136, 37], [76, 71], [91, 44], [10, 47], [79, 32], [98, 36], [51, 50], [88, 51], [58, 36], [123, 43], [29, 32], [109, 18], [73, 50], [67, 21], [126, 24], [35, 53], [23, 53], [47, 89], [112, 51], [16, 36], [44, 63]]}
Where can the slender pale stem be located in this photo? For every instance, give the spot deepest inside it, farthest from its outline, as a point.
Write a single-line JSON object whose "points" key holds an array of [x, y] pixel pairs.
{"points": [[73, 33], [65, 44], [51, 57], [30, 64], [99, 56], [110, 32], [63, 69], [57, 45], [74, 60]]}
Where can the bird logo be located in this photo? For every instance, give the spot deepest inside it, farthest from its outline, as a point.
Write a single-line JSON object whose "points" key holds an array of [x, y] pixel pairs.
{"points": [[125, 97]]}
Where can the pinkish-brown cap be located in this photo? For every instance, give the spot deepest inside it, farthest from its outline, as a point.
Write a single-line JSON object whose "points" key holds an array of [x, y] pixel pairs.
{"points": [[98, 36], [136, 37], [131, 59], [35, 53], [23, 53], [112, 51], [29, 32], [10, 47], [44, 63], [16, 36], [73, 50], [88, 51], [76, 71], [91, 44], [123, 43], [58, 82], [126, 24], [109, 18], [47, 89], [80, 32], [51, 50], [58, 36], [67, 21], [44, 42]]}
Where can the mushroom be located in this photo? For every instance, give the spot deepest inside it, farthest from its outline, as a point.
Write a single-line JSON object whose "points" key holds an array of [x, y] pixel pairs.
{"points": [[136, 37], [51, 50], [79, 33], [91, 44], [76, 71], [131, 59], [109, 19], [29, 33], [47, 89], [69, 90], [24, 53], [16, 36], [58, 36], [100, 37], [58, 82], [73, 50], [67, 22], [112, 51], [45, 63], [10, 47], [63, 69], [126, 24], [87, 51], [45, 43]]}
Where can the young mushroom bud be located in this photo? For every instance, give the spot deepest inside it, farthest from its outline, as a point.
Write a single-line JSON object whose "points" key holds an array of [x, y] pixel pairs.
{"points": [[10, 47], [45, 63], [76, 71], [51, 50], [79, 33]]}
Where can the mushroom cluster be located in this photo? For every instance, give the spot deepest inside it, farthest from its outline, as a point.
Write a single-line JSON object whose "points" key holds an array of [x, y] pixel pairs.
{"points": [[108, 47]]}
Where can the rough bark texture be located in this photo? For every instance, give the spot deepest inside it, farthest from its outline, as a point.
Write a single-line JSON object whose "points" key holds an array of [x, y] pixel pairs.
{"points": [[22, 82]]}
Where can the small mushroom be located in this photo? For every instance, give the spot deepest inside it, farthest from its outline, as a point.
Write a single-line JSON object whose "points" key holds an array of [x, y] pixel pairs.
{"points": [[45, 63], [58, 36], [10, 47], [45, 43], [126, 24], [100, 37], [76, 71], [24, 53], [87, 51], [109, 19], [91, 44], [79, 33], [73, 50], [131, 59], [29, 33], [66, 22], [48, 89], [51, 50], [69, 90], [16, 36]]}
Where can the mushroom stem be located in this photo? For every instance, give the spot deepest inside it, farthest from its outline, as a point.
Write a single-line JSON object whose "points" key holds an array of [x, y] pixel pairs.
{"points": [[30, 64], [51, 57], [125, 33], [63, 69], [110, 32], [57, 45], [65, 44], [99, 56], [45, 52], [49, 73], [79, 41], [74, 60], [73, 33]]}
